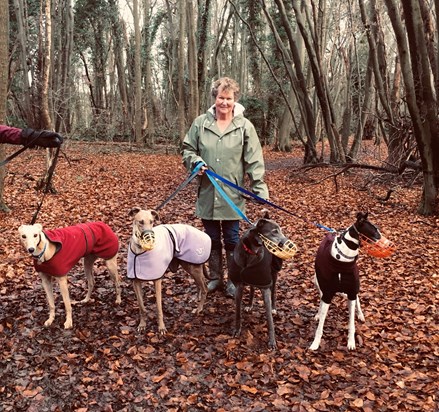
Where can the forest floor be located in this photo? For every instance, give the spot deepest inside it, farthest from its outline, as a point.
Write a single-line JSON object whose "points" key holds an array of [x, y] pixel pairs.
{"points": [[105, 364]]}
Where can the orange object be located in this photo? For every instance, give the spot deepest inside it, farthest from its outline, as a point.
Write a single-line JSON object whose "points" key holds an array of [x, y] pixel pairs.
{"points": [[381, 248]]}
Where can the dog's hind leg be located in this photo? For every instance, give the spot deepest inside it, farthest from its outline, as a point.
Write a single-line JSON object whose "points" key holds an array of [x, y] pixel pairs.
{"points": [[359, 311], [111, 265], [46, 281], [249, 306], [158, 297], [197, 272], [137, 286], [238, 302], [64, 289], [89, 260], [351, 327], [266, 293], [321, 315]]}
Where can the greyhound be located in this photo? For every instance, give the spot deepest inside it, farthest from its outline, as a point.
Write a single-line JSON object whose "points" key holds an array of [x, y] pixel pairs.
{"points": [[254, 265], [336, 270], [172, 245], [56, 251]]}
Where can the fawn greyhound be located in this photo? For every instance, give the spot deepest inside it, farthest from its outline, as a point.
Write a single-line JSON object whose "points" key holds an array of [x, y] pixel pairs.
{"points": [[168, 247], [56, 251]]}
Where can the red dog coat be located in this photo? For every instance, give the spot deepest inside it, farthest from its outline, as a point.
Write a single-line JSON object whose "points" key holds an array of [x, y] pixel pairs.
{"points": [[75, 242]]}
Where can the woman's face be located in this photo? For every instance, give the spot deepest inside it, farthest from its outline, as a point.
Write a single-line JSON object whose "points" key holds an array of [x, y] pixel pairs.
{"points": [[224, 102]]}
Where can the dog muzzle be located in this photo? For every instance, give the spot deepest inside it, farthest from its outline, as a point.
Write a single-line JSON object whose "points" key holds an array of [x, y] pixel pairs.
{"points": [[146, 240], [380, 248], [286, 251]]}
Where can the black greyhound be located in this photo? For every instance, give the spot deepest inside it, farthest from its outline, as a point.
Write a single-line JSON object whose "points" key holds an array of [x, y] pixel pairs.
{"points": [[336, 270], [255, 266]]}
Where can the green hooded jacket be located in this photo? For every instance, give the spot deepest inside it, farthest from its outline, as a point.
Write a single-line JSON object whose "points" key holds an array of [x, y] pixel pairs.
{"points": [[232, 154]]}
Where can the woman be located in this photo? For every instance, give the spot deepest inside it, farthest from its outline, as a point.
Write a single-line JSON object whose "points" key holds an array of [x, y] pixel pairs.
{"points": [[227, 143]]}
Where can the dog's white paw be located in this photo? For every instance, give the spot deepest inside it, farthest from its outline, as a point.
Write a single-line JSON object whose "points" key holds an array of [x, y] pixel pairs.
{"points": [[273, 311], [248, 308], [351, 344], [49, 321], [315, 345]]}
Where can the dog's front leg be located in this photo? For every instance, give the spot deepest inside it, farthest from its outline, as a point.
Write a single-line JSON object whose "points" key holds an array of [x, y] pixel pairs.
{"points": [[158, 296], [273, 293], [321, 315], [46, 281], [266, 294], [238, 301], [64, 289], [137, 286], [351, 327]]}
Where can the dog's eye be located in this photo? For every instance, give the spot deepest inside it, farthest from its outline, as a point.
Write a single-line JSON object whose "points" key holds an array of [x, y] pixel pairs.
{"points": [[23, 236], [35, 235]]}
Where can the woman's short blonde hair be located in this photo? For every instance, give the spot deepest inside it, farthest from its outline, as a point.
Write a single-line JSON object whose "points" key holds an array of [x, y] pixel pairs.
{"points": [[227, 84]]}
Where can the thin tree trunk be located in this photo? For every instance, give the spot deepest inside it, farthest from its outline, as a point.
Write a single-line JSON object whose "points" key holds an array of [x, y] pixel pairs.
{"points": [[4, 52], [194, 100], [181, 67], [137, 76]]}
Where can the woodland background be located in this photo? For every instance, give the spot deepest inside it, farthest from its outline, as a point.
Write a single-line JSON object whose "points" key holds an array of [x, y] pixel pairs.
{"points": [[140, 72], [344, 97]]}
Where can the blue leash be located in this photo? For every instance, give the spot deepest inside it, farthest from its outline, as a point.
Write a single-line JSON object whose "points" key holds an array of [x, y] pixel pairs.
{"points": [[182, 185], [212, 176]]}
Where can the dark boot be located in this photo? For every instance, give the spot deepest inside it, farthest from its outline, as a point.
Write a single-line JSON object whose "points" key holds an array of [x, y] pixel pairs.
{"points": [[215, 270], [230, 287]]}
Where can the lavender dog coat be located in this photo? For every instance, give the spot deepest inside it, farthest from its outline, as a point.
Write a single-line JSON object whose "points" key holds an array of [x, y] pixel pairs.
{"points": [[180, 241], [75, 242], [334, 276]]}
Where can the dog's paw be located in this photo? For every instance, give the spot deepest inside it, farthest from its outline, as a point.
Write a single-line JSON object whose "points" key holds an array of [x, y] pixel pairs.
{"points": [[118, 300], [141, 327], [68, 324], [315, 345], [162, 331], [351, 344], [48, 322], [274, 312], [272, 345], [248, 308]]}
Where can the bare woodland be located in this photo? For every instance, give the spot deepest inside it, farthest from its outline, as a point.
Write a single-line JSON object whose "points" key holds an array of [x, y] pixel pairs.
{"points": [[141, 71]]}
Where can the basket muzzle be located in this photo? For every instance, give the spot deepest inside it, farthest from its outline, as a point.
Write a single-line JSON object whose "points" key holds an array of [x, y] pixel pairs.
{"points": [[146, 240], [286, 251], [380, 248]]}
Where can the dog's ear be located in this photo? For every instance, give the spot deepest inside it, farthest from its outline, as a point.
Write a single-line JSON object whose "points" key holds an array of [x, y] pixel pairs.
{"points": [[39, 226], [265, 214], [20, 229], [156, 215], [361, 217], [134, 211], [260, 223]]}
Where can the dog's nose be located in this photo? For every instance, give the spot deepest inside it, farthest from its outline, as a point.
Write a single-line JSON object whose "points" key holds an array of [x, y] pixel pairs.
{"points": [[31, 250]]}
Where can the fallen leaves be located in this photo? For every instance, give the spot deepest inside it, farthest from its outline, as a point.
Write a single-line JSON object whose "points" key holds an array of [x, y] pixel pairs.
{"points": [[105, 364]]}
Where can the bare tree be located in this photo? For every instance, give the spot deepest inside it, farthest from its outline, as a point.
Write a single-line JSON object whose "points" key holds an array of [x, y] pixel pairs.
{"points": [[4, 51]]}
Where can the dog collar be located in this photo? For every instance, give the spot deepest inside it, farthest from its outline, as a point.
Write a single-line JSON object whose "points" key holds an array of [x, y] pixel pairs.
{"points": [[38, 257], [248, 250]]}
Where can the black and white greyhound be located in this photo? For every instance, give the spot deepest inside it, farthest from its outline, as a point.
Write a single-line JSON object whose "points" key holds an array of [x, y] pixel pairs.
{"points": [[336, 270]]}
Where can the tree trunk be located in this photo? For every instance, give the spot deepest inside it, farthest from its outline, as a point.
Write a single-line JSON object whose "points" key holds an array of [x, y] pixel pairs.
{"points": [[181, 67], [137, 76], [4, 52], [194, 100]]}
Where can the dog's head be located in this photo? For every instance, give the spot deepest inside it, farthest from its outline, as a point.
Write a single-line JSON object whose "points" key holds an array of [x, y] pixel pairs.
{"points": [[143, 222], [366, 227], [31, 236], [273, 238]]}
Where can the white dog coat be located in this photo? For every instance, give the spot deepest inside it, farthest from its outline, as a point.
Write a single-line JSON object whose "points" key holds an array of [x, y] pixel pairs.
{"points": [[180, 241]]}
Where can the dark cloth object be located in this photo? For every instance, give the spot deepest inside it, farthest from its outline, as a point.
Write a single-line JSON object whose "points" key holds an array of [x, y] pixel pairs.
{"points": [[334, 276], [258, 269], [75, 242], [43, 138]]}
